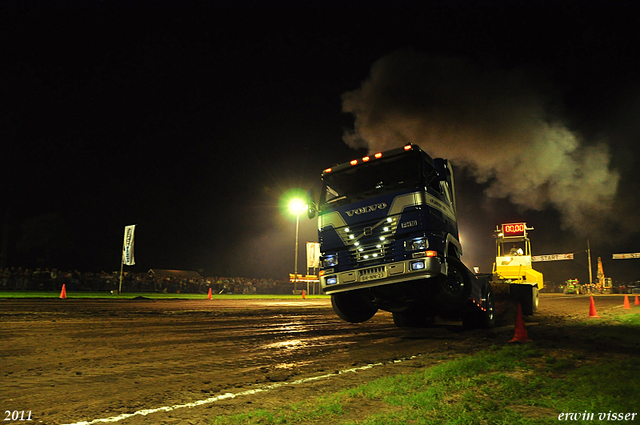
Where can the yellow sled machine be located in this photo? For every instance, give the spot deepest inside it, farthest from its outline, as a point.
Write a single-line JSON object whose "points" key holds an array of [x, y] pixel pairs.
{"points": [[512, 271]]}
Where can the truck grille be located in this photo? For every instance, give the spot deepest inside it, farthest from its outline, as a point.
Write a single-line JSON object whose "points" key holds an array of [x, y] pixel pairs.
{"points": [[370, 253], [370, 271], [371, 241]]}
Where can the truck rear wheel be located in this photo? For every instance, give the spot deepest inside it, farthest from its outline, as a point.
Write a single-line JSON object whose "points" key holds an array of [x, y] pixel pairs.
{"points": [[488, 320], [353, 306], [482, 318]]}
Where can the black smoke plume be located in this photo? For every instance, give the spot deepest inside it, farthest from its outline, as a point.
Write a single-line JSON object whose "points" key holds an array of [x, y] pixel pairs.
{"points": [[497, 123]]}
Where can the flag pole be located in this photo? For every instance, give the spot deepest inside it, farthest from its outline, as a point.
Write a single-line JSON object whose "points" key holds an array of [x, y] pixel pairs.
{"points": [[124, 241], [589, 254]]}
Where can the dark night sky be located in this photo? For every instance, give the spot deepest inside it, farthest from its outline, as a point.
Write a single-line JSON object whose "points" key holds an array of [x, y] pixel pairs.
{"points": [[192, 119]]}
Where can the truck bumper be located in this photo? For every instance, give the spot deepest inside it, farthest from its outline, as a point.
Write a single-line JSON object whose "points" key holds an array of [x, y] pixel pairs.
{"points": [[383, 274]]}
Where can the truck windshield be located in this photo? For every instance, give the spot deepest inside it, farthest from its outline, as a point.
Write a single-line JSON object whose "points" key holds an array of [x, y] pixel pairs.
{"points": [[372, 179]]}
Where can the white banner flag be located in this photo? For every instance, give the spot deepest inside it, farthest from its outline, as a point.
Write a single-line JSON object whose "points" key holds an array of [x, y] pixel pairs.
{"points": [[127, 246], [552, 257], [313, 255], [625, 256]]}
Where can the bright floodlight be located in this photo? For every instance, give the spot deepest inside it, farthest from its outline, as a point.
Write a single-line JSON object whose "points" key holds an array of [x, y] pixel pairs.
{"points": [[297, 206]]}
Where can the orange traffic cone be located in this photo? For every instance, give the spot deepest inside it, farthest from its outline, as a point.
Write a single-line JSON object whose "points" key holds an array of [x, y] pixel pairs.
{"points": [[304, 295], [592, 309], [627, 306], [637, 301], [520, 334], [63, 293], [209, 296]]}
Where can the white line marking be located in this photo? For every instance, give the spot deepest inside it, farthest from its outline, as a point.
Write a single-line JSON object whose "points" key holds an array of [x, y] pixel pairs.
{"points": [[225, 396]]}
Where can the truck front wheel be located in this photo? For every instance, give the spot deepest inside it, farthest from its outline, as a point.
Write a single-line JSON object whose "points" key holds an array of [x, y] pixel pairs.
{"points": [[353, 306], [455, 287]]}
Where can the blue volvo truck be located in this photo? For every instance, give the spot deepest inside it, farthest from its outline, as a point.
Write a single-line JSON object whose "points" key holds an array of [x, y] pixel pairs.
{"points": [[389, 241]]}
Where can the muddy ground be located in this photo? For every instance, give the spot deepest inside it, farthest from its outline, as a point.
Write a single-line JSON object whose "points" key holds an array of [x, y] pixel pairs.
{"points": [[81, 360]]}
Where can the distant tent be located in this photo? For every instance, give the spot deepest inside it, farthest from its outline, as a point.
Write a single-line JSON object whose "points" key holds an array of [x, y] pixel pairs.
{"points": [[174, 273]]}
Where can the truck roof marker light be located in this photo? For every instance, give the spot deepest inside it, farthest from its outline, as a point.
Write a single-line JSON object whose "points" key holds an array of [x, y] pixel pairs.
{"points": [[328, 170], [366, 159], [378, 155], [354, 162], [408, 147], [431, 253]]}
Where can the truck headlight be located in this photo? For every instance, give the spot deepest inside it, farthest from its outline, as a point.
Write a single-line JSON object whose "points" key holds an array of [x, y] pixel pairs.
{"points": [[417, 244], [330, 261], [331, 280]]}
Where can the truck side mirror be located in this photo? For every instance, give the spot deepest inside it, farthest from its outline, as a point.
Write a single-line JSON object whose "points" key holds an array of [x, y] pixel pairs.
{"points": [[441, 169], [311, 212], [311, 204]]}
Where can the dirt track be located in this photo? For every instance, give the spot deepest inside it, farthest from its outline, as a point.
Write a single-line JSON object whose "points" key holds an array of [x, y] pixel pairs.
{"points": [[77, 360]]}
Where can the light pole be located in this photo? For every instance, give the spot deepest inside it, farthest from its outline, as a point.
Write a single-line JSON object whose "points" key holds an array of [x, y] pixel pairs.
{"points": [[296, 206]]}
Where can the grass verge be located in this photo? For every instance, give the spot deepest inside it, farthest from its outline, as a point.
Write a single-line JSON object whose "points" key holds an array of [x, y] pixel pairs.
{"points": [[513, 384]]}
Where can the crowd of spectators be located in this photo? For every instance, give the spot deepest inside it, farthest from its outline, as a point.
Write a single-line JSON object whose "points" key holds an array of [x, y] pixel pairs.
{"points": [[593, 289], [19, 279]]}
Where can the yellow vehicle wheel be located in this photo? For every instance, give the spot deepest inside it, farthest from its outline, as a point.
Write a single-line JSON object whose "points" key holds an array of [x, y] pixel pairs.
{"points": [[527, 296], [535, 299]]}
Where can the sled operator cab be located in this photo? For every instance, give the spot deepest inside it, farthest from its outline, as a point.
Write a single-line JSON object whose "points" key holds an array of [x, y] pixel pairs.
{"points": [[389, 240]]}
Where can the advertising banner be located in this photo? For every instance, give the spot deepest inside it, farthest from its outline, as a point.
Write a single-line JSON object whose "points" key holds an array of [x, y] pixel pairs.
{"points": [[313, 255], [127, 246], [552, 257], [626, 256]]}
